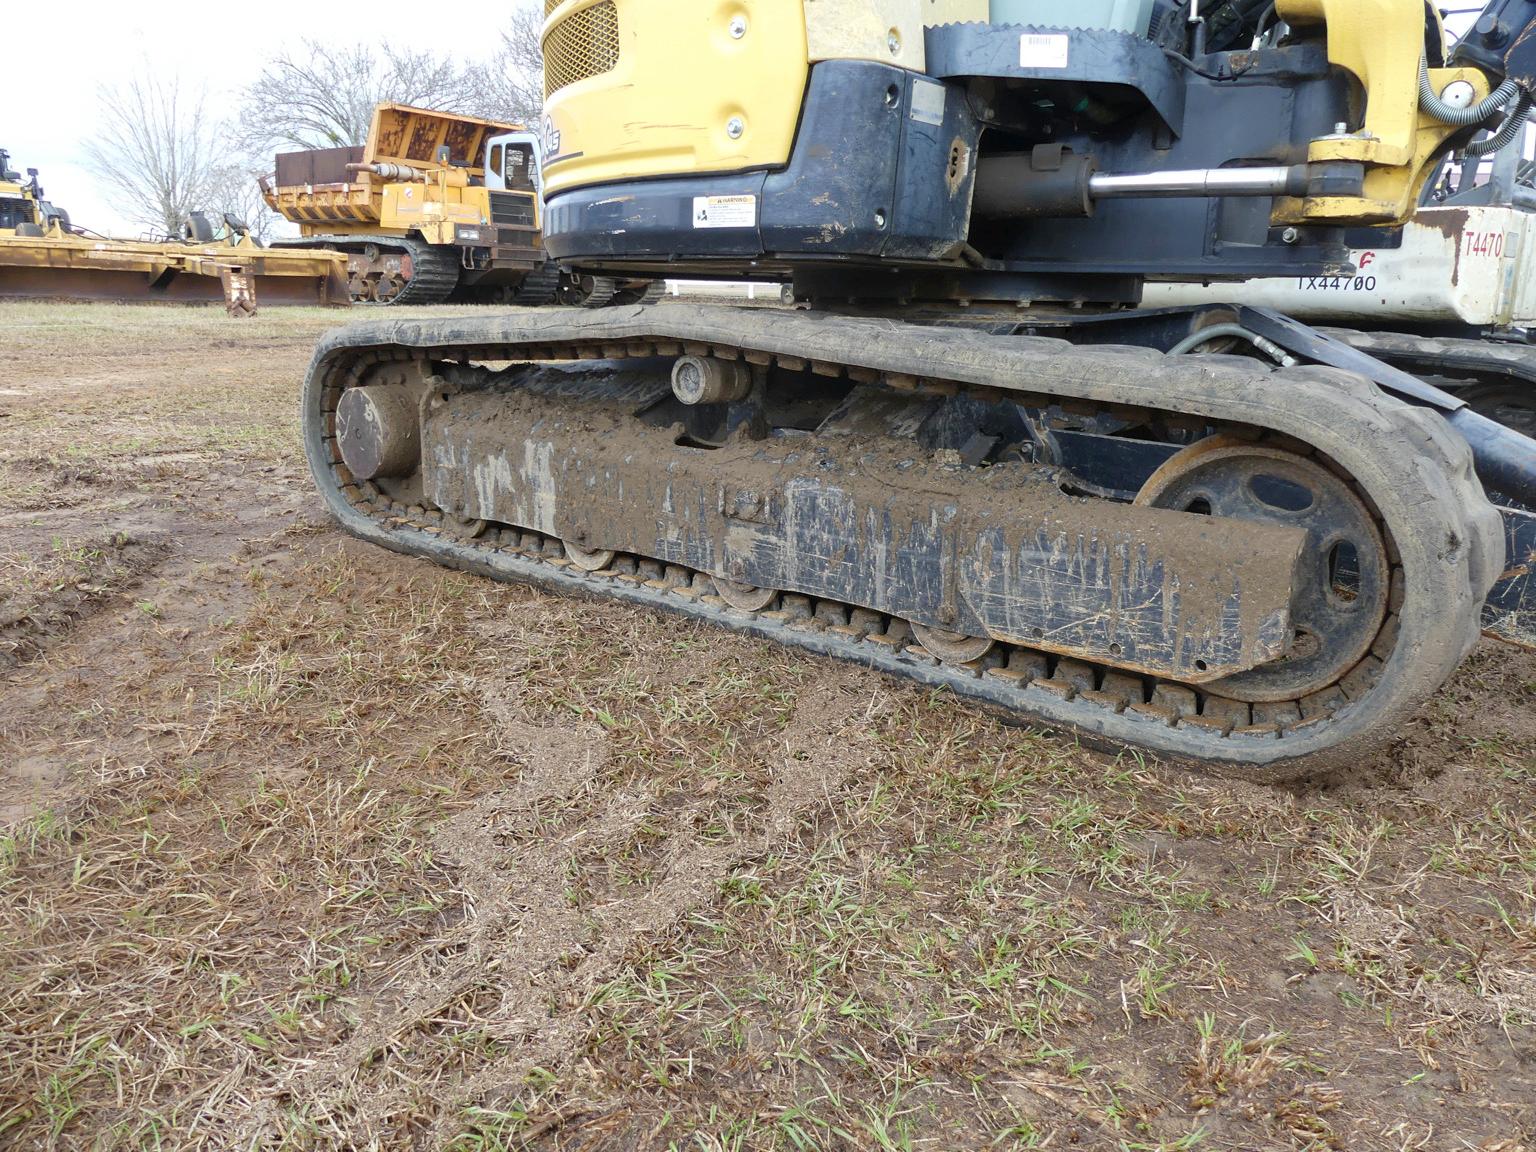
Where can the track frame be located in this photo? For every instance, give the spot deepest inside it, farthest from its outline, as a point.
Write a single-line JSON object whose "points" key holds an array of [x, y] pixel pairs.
{"points": [[1447, 539]]}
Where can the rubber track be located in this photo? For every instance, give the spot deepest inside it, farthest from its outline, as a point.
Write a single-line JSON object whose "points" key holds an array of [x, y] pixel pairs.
{"points": [[603, 288], [650, 294], [435, 267], [1419, 475], [539, 286], [1448, 355]]}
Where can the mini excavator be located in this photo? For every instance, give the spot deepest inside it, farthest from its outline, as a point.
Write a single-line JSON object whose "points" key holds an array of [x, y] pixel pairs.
{"points": [[970, 456]]}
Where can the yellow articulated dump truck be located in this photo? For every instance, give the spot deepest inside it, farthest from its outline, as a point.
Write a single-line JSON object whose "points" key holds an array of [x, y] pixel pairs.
{"points": [[433, 206], [43, 256]]}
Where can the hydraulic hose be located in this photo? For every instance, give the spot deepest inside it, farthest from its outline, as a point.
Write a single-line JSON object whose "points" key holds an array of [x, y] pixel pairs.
{"points": [[1220, 331], [1463, 117], [1508, 132]]}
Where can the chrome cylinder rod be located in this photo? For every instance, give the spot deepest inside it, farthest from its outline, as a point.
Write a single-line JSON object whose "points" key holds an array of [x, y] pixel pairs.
{"points": [[1271, 181]]}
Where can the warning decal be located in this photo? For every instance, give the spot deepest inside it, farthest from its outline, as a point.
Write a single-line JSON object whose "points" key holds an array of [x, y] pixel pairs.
{"points": [[725, 211]]}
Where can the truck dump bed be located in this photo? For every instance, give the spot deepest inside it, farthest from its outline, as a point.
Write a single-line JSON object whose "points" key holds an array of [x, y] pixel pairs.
{"points": [[314, 186]]}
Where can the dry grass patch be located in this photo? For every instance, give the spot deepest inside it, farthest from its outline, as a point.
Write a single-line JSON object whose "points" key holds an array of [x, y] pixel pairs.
{"points": [[42, 595], [339, 850]]}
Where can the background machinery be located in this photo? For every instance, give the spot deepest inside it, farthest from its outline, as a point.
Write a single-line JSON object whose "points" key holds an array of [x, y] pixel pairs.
{"points": [[43, 256], [434, 205], [975, 460], [1450, 295]]}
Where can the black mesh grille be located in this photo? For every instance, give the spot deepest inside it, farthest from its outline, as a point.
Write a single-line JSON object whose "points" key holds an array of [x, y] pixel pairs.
{"points": [[585, 43], [512, 208]]}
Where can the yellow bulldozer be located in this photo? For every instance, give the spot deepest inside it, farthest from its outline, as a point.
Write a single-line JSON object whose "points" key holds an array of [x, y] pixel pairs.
{"points": [[432, 206], [44, 256]]}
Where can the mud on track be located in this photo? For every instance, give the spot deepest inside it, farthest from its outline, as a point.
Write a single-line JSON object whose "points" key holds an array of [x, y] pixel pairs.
{"points": [[307, 845]]}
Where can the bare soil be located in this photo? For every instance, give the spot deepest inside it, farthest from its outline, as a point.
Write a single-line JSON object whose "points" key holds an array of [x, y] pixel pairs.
{"points": [[306, 845]]}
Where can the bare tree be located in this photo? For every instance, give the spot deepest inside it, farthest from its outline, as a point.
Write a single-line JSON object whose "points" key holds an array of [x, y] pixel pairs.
{"points": [[511, 86], [323, 96], [154, 151], [233, 191]]}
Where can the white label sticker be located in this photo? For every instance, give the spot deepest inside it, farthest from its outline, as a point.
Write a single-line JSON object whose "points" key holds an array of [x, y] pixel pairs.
{"points": [[725, 211], [1036, 51], [927, 102]]}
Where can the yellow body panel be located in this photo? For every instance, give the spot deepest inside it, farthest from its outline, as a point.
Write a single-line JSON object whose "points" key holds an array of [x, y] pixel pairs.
{"points": [[371, 204], [666, 108], [890, 31], [431, 210], [1382, 43]]}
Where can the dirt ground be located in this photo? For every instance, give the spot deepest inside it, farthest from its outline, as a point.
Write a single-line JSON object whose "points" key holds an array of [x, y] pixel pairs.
{"points": [[309, 846]]}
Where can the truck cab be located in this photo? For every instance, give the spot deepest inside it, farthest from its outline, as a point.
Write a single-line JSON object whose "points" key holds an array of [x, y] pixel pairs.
{"points": [[512, 162]]}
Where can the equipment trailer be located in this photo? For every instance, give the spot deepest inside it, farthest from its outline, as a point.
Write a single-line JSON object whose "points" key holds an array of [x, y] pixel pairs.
{"points": [[44, 257]]}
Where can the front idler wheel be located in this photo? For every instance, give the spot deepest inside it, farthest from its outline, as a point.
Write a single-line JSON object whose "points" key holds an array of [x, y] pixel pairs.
{"points": [[1343, 580]]}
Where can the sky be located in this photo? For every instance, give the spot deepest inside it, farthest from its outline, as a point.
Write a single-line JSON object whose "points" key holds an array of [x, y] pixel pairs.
{"points": [[52, 106]]}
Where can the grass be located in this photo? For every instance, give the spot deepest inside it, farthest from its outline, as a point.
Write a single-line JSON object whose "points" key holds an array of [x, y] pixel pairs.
{"points": [[332, 849]]}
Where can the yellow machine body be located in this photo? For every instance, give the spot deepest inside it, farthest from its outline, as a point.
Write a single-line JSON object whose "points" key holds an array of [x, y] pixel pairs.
{"points": [[429, 205], [430, 201], [653, 87], [639, 89], [41, 259]]}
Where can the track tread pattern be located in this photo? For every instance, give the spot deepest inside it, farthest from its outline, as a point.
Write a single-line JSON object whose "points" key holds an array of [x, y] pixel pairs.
{"points": [[435, 267], [540, 286], [1412, 468]]}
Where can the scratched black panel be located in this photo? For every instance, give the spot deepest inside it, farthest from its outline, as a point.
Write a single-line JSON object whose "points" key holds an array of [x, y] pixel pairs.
{"points": [[997, 550], [932, 209], [841, 179]]}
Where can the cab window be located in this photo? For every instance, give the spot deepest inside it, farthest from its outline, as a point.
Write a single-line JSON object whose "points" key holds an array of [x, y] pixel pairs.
{"points": [[520, 171], [14, 210]]}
